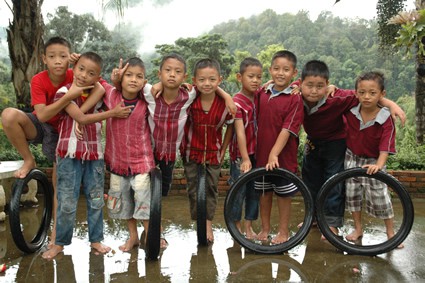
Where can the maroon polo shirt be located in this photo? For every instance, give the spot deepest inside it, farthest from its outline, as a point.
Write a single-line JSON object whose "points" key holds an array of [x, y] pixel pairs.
{"points": [[368, 140], [275, 113], [325, 121]]}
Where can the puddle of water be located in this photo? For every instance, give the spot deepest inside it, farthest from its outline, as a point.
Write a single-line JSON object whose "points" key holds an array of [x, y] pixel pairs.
{"points": [[224, 261]]}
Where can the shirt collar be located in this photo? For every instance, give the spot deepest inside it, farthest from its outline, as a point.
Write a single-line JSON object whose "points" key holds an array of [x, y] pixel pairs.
{"points": [[273, 92], [316, 107], [381, 117]]}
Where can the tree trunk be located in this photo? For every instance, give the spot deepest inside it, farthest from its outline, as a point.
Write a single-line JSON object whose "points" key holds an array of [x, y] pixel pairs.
{"points": [[25, 42], [420, 96]]}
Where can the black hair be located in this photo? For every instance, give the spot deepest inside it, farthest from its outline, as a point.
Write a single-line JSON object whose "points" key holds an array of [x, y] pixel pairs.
{"points": [[249, 61], [315, 68], [285, 54], [135, 61], [56, 40], [173, 56], [93, 57], [372, 76], [206, 63]]}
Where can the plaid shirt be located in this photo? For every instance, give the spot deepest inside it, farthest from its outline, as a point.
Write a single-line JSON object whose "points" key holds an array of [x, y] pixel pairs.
{"points": [[128, 148], [204, 131], [90, 147], [167, 121], [246, 112]]}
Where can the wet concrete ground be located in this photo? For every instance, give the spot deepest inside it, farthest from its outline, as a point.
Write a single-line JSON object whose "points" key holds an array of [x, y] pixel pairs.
{"points": [[224, 261]]}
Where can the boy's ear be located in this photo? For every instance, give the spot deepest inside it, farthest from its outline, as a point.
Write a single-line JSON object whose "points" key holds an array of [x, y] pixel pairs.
{"points": [[239, 77], [384, 92], [43, 57]]}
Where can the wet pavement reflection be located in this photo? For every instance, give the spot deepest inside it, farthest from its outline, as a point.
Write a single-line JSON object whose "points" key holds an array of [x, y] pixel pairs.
{"points": [[224, 261]]}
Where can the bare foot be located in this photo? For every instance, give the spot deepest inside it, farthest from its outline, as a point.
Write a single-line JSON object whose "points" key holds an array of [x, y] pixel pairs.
{"points": [[52, 252], [354, 236], [163, 244], [263, 235], [313, 224], [333, 229], [279, 239], [129, 245], [25, 169], [250, 234], [390, 235], [100, 248], [210, 234]]}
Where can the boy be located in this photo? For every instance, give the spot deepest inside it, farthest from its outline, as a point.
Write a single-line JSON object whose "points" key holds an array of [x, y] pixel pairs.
{"points": [[280, 115], [81, 161], [128, 154], [41, 126], [242, 146], [370, 140], [203, 144], [325, 146]]}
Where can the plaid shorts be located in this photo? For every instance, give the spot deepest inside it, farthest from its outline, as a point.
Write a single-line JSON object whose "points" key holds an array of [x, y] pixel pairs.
{"points": [[378, 200]]}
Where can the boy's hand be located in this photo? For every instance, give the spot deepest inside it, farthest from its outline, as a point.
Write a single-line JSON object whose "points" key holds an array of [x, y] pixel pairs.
{"points": [[117, 73], [371, 168], [73, 58], [330, 91], [231, 107], [246, 166], [272, 163], [156, 89], [75, 91], [396, 111], [79, 131], [122, 111], [296, 90], [187, 86]]}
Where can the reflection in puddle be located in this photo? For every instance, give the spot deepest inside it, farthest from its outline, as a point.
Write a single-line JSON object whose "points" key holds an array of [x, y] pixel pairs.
{"points": [[225, 261]]}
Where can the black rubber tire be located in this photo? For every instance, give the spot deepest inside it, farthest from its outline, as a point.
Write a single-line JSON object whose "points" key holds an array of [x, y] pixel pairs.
{"points": [[153, 241], [40, 237], [201, 207], [272, 249], [370, 250]]}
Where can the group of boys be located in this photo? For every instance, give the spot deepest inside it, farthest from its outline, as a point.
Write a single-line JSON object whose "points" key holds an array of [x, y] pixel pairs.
{"points": [[147, 130]]}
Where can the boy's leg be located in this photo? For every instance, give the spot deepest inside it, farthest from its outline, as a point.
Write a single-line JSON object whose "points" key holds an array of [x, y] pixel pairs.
{"points": [[266, 200], [191, 173], [284, 204], [55, 205], [19, 128], [236, 212], [358, 231], [69, 179], [212, 175], [93, 185], [133, 240]]}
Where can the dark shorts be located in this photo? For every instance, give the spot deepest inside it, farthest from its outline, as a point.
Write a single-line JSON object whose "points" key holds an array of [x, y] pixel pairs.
{"points": [[281, 186], [47, 136]]}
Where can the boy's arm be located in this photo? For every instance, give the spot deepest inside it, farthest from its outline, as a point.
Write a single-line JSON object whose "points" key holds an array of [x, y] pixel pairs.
{"points": [[240, 134], [226, 141], [96, 95], [119, 111], [380, 163], [395, 110], [230, 104], [277, 148]]}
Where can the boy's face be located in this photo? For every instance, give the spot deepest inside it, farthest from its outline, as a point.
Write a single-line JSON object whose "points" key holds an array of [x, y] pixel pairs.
{"points": [[133, 80], [313, 88], [56, 59], [86, 72], [172, 73], [207, 80], [250, 79], [369, 93], [282, 71]]}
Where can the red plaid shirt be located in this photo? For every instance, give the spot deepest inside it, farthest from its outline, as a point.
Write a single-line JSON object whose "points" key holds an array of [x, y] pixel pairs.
{"points": [[246, 112], [167, 121], [204, 131], [90, 147]]}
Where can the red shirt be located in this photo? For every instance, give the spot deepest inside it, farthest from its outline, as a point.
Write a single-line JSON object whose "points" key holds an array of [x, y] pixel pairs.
{"points": [[167, 121], [277, 112], [90, 147], [128, 149], [204, 131], [325, 121], [43, 91], [368, 140], [245, 111]]}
